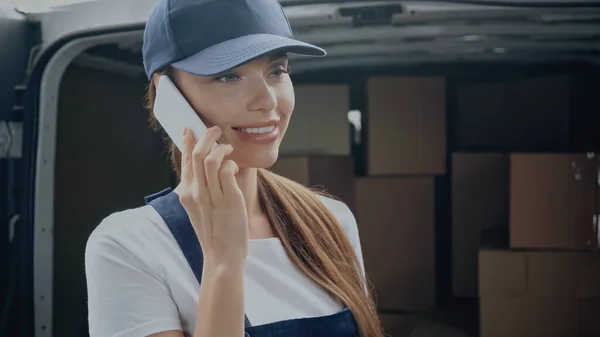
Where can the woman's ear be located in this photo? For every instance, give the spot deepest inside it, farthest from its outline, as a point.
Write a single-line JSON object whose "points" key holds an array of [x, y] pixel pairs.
{"points": [[173, 75]]}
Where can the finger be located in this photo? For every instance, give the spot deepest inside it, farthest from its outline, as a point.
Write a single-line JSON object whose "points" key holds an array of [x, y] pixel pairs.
{"points": [[227, 177], [201, 150], [212, 166], [187, 173]]}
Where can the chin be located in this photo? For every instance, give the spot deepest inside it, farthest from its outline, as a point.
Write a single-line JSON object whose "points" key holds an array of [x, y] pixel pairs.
{"points": [[263, 158]]}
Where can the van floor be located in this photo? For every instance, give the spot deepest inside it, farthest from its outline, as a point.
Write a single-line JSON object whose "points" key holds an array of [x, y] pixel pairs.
{"points": [[456, 318]]}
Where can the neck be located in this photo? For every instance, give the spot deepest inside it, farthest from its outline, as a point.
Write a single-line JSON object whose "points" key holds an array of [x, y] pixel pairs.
{"points": [[247, 179]]}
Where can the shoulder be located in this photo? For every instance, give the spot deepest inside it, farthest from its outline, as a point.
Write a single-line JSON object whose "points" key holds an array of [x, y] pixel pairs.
{"points": [[342, 213], [128, 285], [130, 234], [123, 225]]}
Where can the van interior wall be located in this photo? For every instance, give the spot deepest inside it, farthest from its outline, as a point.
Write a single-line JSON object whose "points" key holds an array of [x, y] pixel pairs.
{"points": [[107, 159]]}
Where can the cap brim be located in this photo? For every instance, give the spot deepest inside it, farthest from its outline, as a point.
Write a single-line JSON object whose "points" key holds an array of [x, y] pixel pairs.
{"points": [[233, 53]]}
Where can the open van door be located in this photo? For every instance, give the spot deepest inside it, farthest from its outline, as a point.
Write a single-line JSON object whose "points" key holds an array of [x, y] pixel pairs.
{"points": [[36, 49], [65, 32]]}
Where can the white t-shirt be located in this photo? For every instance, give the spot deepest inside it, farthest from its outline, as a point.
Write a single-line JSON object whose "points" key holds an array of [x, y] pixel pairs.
{"points": [[140, 283]]}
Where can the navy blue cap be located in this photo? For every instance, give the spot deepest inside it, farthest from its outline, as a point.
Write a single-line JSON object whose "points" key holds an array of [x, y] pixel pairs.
{"points": [[208, 37]]}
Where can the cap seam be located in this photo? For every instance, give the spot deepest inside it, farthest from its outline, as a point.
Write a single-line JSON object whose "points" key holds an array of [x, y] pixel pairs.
{"points": [[286, 19], [170, 30]]}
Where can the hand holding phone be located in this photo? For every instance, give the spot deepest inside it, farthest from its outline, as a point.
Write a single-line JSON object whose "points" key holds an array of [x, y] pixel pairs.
{"points": [[209, 191], [213, 200]]}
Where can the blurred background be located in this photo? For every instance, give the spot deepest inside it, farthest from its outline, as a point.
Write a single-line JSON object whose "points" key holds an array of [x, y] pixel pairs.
{"points": [[462, 134], [38, 4]]}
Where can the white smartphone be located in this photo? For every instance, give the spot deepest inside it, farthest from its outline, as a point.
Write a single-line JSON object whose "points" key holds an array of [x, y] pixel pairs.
{"points": [[174, 113]]}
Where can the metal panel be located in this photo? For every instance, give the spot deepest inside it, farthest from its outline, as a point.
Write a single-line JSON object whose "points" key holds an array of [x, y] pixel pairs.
{"points": [[422, 26], [14, 54], [103, 16]]}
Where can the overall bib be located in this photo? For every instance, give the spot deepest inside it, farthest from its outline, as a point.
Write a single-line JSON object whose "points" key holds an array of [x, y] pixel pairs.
{"points": [[342, 324]]}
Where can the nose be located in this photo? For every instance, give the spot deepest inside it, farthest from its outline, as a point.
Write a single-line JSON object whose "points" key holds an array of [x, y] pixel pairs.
{"points": [[263, 97]]}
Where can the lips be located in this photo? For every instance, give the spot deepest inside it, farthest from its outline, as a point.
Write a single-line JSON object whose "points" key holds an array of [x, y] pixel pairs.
{"points": [[258, 128], [258, 124], [262, 133], [261, 130]]}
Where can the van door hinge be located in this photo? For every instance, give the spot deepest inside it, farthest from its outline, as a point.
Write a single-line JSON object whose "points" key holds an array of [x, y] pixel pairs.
{"points": [[11, 131], [19, 107], [11, 139]]}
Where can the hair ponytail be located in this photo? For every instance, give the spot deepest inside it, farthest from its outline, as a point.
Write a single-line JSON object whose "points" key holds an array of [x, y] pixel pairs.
{"points": [[317, 244], [311, 236]]}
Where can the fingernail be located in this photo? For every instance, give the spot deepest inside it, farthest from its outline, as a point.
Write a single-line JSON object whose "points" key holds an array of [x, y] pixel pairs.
{"points": [[217, 129], [184, 131]]}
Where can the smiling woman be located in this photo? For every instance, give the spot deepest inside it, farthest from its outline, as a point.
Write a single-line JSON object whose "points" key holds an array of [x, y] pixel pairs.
{"points": [[235, 249]]}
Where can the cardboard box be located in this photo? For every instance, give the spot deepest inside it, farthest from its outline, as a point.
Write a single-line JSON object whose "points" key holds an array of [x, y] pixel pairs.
{"points": [[514, 115], [553, 201], [538, 274], [319, 124], [396, 223], [539, 294], [406, 125], [334, 174], [479, 203], [524, 317]]}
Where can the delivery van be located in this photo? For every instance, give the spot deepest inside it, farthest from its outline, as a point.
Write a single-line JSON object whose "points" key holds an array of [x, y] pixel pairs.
{"points": [[405, 85]]}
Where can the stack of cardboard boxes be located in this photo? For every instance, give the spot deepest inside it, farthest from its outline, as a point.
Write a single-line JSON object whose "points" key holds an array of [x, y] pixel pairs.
{"points": [[524, 215], [548, 283], [395, 202]]}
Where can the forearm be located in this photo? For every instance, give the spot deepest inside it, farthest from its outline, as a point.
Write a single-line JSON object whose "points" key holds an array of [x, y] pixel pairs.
{"points": [[221, 302]]}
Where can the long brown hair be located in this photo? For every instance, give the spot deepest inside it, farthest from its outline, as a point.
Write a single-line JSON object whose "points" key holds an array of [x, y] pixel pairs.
{"points": [[310, 233]]}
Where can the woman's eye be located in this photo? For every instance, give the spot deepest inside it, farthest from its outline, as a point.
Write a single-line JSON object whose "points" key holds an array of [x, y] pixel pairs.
{"points": [[279, 72], [228, 78]]}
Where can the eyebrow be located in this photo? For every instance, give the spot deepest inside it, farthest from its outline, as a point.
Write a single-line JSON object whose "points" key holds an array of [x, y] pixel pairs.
{"points": [[278, 56]]}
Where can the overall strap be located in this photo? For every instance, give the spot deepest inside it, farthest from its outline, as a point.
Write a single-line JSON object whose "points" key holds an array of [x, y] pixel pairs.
{"points": [[167, 205]]}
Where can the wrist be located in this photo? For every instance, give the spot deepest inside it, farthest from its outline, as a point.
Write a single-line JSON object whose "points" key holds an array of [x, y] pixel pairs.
{"points": [[230, 267]]}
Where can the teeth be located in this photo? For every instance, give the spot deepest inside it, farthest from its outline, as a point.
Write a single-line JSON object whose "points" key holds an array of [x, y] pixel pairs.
{"points": [[265, 129]]}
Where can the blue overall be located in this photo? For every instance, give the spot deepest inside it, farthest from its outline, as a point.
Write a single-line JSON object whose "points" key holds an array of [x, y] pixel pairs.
{"points": [[341, 324]]}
